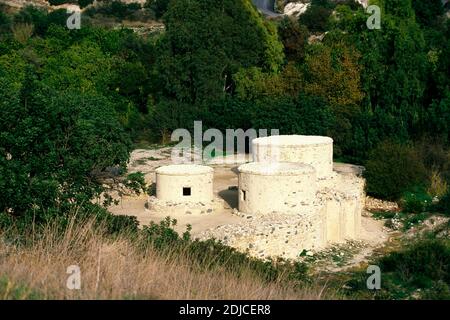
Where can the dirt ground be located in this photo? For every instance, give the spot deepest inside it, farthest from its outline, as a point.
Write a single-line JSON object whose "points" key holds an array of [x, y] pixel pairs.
{"points": [[373, 233], [225, 183]]}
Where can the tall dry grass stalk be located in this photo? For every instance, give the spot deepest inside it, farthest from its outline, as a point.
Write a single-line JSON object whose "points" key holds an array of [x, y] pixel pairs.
{"points": [[22, 32], [118, 269], [438, 186]]}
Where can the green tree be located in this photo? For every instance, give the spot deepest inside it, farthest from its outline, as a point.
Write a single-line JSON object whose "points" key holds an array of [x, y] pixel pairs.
{"points": [[207, 41], [437, 118], [58, 2], [57, 17], [394, 66], [294, 37], [304, 114], [85, 3], [332, 72], [5, 22], [427, 12], [35, 16], [52, 144], [316, 17], [158, 6], [253, 83]]}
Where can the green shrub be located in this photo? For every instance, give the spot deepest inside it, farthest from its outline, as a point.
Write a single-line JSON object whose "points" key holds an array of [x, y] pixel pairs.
{"points": [[306, 114], [163, 237], [413, 219], [439, 291], [35, 16], [416, 202], [119, 224], [384, 214], [58, 17], [114, 8], [443, 205], [393, 169], [10, 290], [5, 22], [421, 264], [59, 2], [85, 3], [420, 270], [158, 6], [212, 254], [316, 18], [136, 182]]}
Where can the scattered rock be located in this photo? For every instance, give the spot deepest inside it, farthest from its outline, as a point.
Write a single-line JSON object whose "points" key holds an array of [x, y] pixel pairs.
{"points": [[373, 205], [295, 8]]}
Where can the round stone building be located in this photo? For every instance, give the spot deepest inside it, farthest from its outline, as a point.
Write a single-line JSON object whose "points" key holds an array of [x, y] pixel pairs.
{"points": [[184, 188], [276, 187], [316, 151], [291, 199]]}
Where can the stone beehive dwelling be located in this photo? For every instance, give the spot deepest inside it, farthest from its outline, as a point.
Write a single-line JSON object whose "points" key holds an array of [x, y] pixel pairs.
{"points": [[292, 200], [315, 151], [183, 189], [342, 216], [286, 190], [276, 187]]}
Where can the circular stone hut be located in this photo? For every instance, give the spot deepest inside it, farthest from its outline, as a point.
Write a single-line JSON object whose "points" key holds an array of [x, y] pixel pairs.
{"points": [[292, 199], [185, 188], [276, 187], [316, 151]]}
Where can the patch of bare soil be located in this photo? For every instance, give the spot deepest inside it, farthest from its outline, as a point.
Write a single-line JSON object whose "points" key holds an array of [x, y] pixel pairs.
{"points": [[147, 161]]}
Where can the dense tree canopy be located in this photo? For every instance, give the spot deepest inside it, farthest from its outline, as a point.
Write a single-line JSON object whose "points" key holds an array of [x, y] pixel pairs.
{"points": [[207, 41], [221, 62], [52, 143]]}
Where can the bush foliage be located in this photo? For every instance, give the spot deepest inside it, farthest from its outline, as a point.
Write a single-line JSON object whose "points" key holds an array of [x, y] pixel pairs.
{"points": [[393, 169]]}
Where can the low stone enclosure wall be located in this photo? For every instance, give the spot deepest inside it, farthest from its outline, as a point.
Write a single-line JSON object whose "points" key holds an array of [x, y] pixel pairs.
{"points": [[290, 199]]}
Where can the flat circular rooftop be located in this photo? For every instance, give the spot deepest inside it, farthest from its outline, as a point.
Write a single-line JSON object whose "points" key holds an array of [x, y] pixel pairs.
{"points": [[184, 169], [293, 140], [276, 168]]}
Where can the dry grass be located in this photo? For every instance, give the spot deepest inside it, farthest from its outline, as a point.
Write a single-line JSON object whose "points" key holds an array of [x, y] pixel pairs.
{"points": [[438, 186], [22, 32], [118, 269]]}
